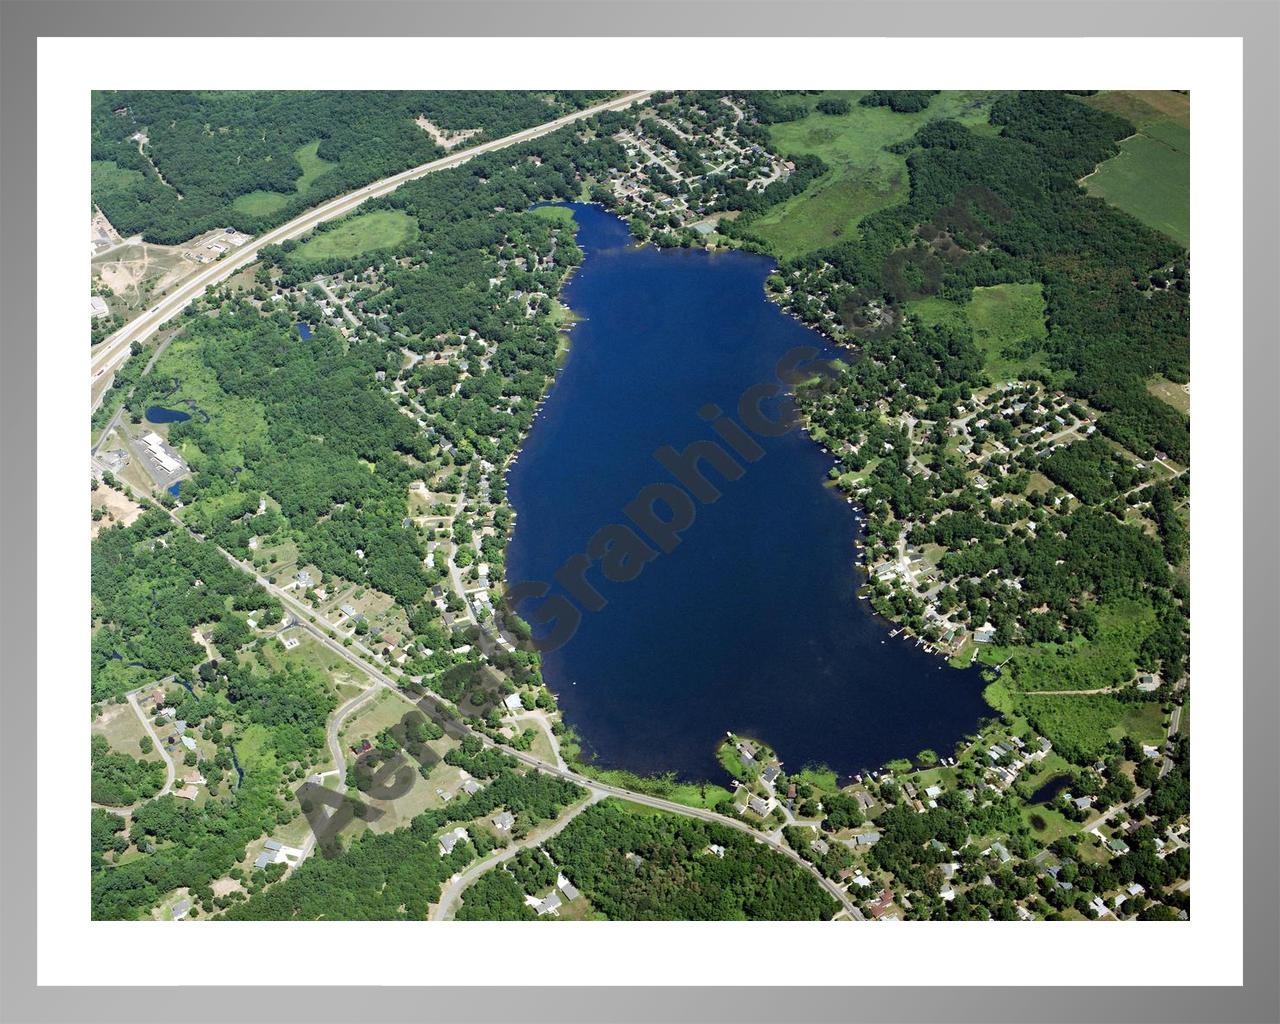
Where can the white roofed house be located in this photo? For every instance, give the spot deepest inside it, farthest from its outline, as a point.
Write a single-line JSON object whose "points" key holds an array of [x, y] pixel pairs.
{"points": [[451, 839]]}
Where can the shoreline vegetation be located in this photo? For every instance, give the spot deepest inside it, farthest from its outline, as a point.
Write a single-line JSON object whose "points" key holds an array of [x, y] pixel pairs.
{"points": [[1035, 521]]}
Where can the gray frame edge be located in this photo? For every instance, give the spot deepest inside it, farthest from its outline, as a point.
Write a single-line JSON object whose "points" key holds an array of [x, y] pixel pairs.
{"points": [[1257, 21]]}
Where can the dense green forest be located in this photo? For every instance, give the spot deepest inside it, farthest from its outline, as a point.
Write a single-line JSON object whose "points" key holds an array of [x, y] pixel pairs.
{"points": [[151, 585], [677, 877], [118, 779], [278, 152]]}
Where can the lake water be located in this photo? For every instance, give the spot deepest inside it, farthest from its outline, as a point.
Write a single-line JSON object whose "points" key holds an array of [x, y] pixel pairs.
{"points": [[752, 623], [159, 414]]}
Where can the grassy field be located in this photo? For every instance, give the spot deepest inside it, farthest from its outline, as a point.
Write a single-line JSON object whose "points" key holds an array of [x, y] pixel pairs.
{"points": [[863, 177], [1001, 317], [381, 229], [108, 176], [1151, 176], [1168, 391], [262, 203], [1106, 660], [691, 794]]}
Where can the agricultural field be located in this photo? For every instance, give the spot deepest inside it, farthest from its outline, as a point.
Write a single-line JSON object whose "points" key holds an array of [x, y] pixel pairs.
{"points": [[381, 229], [1151, 176], [863, 177]]}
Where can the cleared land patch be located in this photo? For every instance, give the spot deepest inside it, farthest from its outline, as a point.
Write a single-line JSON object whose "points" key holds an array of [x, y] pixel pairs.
{"points": [[381, 229], [1007, 321], [1008, 326], [863, 176], [1175, 394]]}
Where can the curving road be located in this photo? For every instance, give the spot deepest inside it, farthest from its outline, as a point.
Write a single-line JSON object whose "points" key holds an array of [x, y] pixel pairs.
{"points": [[115, 349], [459, 883]]}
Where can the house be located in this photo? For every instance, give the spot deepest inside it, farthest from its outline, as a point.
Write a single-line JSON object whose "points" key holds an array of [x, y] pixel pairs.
{"points": [[865, 800], [550, 904], [186, 793], [349, 612], [1098, 907], [451, 839], [985, 635], [471, 787], [567, 887], [512, 702], [820, 846], [933, 792], [194, 778], [504, 821], [866, 839], [303, 578], [188, 742], [364, 748], [759, 806], [179, 910], [770, 775], [882, 904], [716, 849]]}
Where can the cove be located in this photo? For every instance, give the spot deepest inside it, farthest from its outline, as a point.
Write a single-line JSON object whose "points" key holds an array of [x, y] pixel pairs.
{"points": [[752, 623]]}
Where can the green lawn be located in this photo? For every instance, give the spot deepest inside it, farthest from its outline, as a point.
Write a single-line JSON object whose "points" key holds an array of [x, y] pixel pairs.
{"points": [[108, 176], [1151, 178], [863, 176], [556, 213], [381, 229]]}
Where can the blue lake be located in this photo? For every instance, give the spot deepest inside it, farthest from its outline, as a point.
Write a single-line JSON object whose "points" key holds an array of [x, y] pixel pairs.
{"points": [[752, 623], [159, 414]]}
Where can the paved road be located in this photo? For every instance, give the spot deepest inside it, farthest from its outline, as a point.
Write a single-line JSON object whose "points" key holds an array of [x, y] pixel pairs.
{"points": [[170, 769], [115, 349]]}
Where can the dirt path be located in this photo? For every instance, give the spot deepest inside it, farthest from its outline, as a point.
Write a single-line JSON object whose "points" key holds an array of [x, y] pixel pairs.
{"points": [[170, 770]]}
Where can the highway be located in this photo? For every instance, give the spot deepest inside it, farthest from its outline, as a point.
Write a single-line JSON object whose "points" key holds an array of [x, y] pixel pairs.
{"points": [[115, 349]]}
